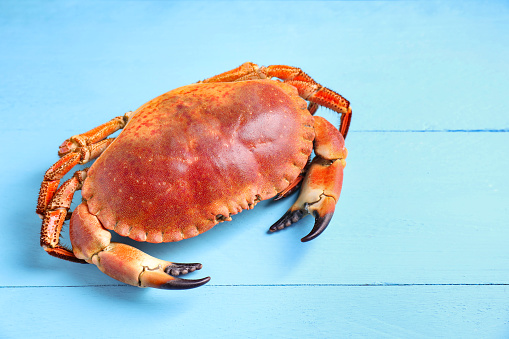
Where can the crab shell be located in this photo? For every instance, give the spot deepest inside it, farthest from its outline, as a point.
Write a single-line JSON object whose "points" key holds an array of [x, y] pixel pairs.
{"points": [[198, 154]]}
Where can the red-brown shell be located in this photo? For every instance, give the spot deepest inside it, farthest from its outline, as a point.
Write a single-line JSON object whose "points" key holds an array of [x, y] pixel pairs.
{"points": [[192, 157]]}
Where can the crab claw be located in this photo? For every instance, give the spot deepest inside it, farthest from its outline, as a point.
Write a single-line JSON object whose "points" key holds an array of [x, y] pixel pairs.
{"points": [[134, 267], [91, 242], [322, 211], [322, 184]]}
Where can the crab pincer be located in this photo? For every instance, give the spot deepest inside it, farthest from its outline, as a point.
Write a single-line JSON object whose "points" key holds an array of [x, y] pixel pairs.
{"points": [[322, 184], [134, 267], [92, 243]]}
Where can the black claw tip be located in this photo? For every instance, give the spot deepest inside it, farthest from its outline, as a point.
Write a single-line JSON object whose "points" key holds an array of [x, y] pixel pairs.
{"points": [[321, 224], [286, 220], [184, 284]]}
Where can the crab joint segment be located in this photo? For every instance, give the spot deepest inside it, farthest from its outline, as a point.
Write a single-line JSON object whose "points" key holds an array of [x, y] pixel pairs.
{"points": [[94, 135], [323, 182], [91, 242]]}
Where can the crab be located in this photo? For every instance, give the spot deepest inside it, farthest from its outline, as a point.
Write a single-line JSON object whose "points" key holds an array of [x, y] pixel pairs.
{"points": [[190, 159]]}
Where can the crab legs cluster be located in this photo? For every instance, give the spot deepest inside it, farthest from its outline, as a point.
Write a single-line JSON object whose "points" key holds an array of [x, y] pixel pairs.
{"points": [[321, 182]]}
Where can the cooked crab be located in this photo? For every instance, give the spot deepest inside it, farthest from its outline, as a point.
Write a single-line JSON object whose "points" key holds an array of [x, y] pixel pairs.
{"points": [[190, 159]]}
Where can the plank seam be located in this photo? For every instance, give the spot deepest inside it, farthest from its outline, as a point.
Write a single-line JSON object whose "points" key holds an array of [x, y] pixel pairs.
{"points": [[276, 285]]}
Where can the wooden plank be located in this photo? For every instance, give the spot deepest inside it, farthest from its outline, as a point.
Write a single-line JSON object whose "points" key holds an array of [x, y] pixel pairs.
{"points": [[416, 208], [251, 311], [423, 216], [403, 65]]}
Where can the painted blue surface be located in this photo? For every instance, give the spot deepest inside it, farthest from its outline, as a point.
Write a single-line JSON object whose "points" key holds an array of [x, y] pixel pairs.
{"points": [[418, 246]]}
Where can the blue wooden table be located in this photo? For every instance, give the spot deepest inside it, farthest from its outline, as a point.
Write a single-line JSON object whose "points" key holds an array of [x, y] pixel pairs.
{"points": [[418, 247]]}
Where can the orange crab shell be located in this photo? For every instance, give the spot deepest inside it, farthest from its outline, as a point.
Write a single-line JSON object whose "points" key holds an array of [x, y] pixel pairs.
{"points": [[193, 156]]}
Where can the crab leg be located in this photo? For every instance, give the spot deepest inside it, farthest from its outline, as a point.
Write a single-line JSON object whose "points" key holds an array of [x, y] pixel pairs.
{"points": [[78, 149], [246, 71], [53, 203], [322, 185], [91, 243], [55, 215], [56, 172], [315, 93], [308, 89]]}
